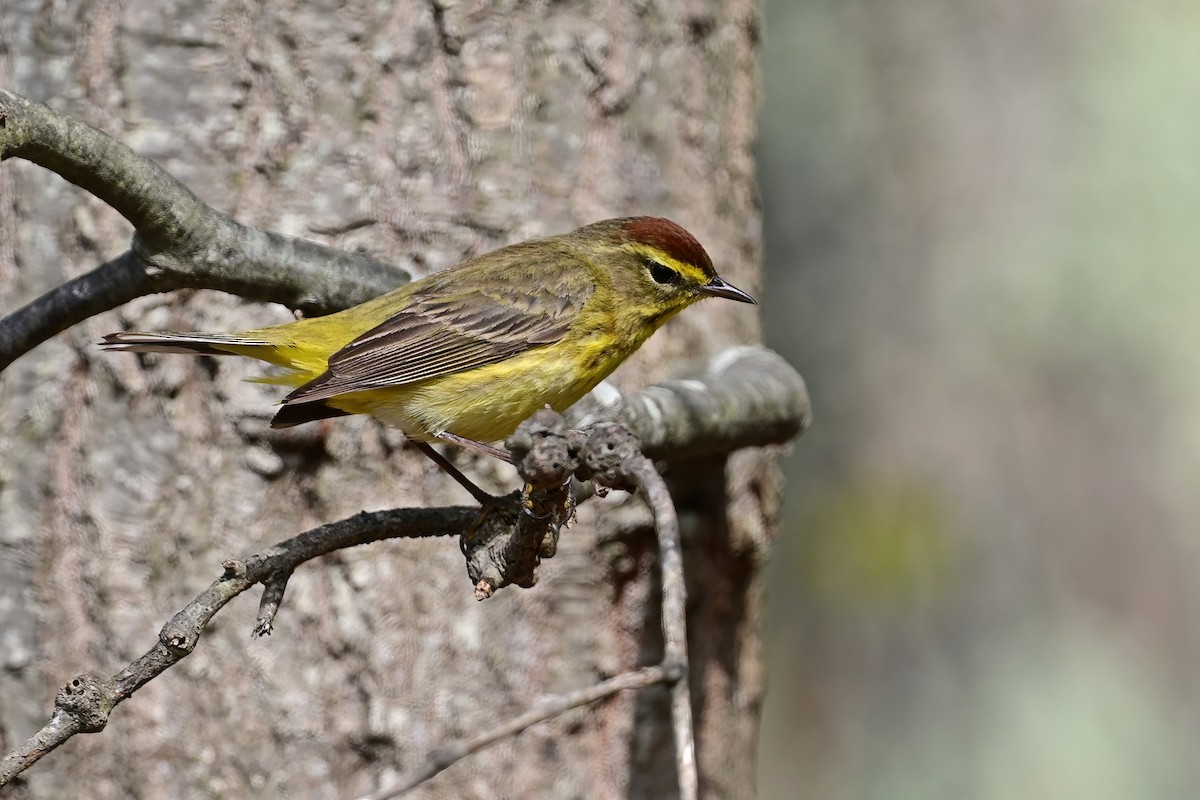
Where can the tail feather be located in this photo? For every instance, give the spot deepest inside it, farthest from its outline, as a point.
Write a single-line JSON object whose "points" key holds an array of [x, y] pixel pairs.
{"points": [[210, 344], [297, 364]]}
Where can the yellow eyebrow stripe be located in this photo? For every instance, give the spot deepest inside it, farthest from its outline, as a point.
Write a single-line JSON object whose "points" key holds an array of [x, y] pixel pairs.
{"points": [[690, 272]]}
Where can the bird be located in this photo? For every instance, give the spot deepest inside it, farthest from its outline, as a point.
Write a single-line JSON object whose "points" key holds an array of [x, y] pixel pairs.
{"points": [[466, 354]]}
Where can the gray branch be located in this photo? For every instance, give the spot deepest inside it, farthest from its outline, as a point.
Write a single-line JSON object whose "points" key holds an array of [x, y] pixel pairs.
{"points": [[675, 661], [747, 396], [84, 704], [106, 287], [179, 241]]}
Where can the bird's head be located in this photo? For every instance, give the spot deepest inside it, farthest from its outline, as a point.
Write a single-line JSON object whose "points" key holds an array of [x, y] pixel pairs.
{"points": [[661, 265]]}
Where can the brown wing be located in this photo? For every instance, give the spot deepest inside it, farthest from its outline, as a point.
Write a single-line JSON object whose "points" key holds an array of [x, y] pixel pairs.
{"points": [[448, 329]]}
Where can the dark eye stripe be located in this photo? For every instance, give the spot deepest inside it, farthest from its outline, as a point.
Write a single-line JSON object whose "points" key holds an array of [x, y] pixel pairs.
{"points": [[661, 273]]}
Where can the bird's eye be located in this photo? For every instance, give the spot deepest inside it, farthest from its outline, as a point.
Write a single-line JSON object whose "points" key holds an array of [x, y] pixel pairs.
{"points": [[661, 273]]}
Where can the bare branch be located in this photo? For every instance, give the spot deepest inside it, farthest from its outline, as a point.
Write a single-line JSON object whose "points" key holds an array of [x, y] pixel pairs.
{"points": [[269, 603], [106, 287], [747, 396], [613, 457], [100, 164], [84, 705], [675, 661], [503, 552], [505, 544], [180, 241]]}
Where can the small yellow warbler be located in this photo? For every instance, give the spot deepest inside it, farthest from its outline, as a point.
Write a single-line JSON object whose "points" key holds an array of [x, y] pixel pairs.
{"points": [[466, 354]]}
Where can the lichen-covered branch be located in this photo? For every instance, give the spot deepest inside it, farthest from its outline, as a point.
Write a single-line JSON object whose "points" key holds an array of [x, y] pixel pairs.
{"points": [[179, 240], [609, 454], [746, 397]]}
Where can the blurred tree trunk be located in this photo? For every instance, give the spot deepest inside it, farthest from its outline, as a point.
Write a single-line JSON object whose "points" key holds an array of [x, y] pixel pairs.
{"points": [[422, 133]]}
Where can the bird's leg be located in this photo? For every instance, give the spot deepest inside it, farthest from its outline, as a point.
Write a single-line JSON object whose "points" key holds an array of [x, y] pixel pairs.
{"points": [[479, 447], [483, 498]]}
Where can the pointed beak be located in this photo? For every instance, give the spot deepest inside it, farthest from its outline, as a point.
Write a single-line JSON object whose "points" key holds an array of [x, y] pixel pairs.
{"points": [[718, 287]]}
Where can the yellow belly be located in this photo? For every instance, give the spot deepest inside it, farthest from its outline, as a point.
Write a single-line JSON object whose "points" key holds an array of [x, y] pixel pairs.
{"points": [[485, 404]]}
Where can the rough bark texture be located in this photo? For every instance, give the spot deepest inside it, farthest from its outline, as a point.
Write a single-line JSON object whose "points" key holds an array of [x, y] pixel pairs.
{"points": [[420, 133]]}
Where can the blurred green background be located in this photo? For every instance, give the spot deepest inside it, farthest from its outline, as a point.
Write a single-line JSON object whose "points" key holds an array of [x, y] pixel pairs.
{"points": [[983, 223]]}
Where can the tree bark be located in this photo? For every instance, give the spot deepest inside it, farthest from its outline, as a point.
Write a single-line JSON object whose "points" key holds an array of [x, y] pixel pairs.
{"points": [[419, 133]]}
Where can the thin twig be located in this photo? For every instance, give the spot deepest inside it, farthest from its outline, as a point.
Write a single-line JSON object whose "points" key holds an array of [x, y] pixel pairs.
{"points": [[268, 604], [84, 705], [674, 622], [444, 756], [613, 458]]}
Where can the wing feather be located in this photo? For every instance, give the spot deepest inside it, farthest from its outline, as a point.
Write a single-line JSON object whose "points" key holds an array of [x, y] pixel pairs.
{"points": [[448, 328]]}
